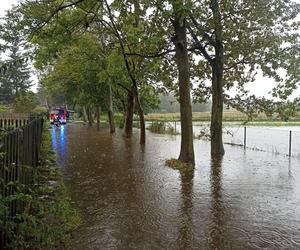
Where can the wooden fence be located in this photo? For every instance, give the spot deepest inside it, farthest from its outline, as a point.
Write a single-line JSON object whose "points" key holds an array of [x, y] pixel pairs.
{"points": [[15, 120], [19, 149]]}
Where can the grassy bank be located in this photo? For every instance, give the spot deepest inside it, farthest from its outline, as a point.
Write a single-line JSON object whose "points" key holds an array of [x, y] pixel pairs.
{"points": [[228, 116], [48, 218]]}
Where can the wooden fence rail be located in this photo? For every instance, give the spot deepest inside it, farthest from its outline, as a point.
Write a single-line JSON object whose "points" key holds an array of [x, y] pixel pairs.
{"points": [[15, 120], [20, 148]]}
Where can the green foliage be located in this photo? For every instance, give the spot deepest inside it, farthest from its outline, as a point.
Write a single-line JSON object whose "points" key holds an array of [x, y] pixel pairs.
{"points": [[253, 106], [48, 217], [161, 127], [16, 76], [5, 108], [119, 119], [80, 52], [40, 109], [25, 102]]}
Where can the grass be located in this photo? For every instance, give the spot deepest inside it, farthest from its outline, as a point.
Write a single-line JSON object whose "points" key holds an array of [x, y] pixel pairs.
{"points": [[48, 218], [274, 123], [228, 116], [183, 168]]}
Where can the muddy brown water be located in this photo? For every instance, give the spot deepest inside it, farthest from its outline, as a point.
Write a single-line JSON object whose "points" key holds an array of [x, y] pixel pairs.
{"points": [[128, 199]]}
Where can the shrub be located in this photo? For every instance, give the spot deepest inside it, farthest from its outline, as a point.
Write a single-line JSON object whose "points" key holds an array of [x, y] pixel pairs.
{"points": [[160, 127]]}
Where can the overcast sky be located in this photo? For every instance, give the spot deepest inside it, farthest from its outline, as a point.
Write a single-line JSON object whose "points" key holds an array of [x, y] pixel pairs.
{"points": [[260, 87]]}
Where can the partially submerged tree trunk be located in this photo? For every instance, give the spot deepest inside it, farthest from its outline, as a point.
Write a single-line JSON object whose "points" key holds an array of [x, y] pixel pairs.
{"points": [[98, 117], [110, 112], [217, 113], [182, 61], [84, 114], [137, 13], [90, 116], [142, 120], [129, 115], [217, 147]]}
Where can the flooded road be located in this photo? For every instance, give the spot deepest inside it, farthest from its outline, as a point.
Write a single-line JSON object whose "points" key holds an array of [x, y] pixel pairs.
{"points": [[129, 199]]}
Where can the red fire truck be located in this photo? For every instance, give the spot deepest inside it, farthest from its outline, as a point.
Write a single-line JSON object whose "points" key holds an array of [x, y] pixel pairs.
{"points": [[58, 115]]}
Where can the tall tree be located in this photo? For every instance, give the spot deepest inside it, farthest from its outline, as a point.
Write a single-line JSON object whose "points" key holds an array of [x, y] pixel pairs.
{"points": [[182, 61], [16, 78], [237, 39]]}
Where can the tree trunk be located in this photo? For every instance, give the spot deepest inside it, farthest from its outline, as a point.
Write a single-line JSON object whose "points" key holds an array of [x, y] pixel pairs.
{"points": [[217, 148], [98, 110], [84, 114], [129, 115], [90, 116], [47, 104], [182, 61], [217, 113], [137, 14], [142, 120], [111, 118]]}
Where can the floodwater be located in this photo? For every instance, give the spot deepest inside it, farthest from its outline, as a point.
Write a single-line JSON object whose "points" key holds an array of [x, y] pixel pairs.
{"points": [[270, 139], [129, 199]]}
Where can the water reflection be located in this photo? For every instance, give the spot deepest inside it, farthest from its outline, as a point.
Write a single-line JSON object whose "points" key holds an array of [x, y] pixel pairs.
{"points": [[186, 233], [62, 137], [58, 137], [217, 230]]}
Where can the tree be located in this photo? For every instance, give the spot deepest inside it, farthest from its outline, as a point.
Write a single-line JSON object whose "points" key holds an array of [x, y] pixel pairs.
{"points": [[222, 41], [182, 61], [235, 40], [86, 16], [76, 74], [16, 77], [25, 102]]}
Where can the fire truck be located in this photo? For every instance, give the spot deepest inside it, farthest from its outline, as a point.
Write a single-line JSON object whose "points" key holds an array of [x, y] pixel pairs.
{"points": [[58, 115]]}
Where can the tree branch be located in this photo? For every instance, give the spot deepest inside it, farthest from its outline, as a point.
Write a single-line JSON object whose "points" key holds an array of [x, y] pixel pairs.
{"points": [[200, 47], [235, 64], [203, 33], [152, 55], [56, 11]]}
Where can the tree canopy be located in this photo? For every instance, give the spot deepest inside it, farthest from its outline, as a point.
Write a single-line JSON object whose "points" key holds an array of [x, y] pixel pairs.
{"points": [[123, 54]]}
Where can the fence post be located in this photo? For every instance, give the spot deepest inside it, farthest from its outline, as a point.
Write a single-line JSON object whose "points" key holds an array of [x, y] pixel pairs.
{"points": [[245, 137], [290, 144], [175, 127]]}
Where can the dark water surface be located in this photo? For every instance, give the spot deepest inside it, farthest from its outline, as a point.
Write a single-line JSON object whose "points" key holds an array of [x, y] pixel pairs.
{"points": [[128, 199]]}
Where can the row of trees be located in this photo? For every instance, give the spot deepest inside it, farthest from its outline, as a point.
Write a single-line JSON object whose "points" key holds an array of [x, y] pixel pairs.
{"points": [[101, 54]]}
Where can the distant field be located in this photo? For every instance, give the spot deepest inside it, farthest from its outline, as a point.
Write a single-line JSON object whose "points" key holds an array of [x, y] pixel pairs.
{"points": [[229, 116]]}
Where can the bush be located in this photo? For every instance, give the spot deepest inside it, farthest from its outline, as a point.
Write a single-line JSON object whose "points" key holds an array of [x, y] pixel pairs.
{"points": [[160, 127], [48, 218], [120, 121], [25, 102]]}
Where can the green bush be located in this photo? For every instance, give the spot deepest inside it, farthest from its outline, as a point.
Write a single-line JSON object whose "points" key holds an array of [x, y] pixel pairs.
{"points": [[25, 102], [48, 218], [160, 127], [120, 122]]}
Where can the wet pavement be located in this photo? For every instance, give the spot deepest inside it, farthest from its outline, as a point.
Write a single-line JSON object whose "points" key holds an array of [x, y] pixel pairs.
{"points": [[129, 199]]}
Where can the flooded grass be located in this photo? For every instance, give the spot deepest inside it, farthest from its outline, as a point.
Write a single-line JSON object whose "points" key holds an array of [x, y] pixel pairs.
{"points": [[184, 168]]}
